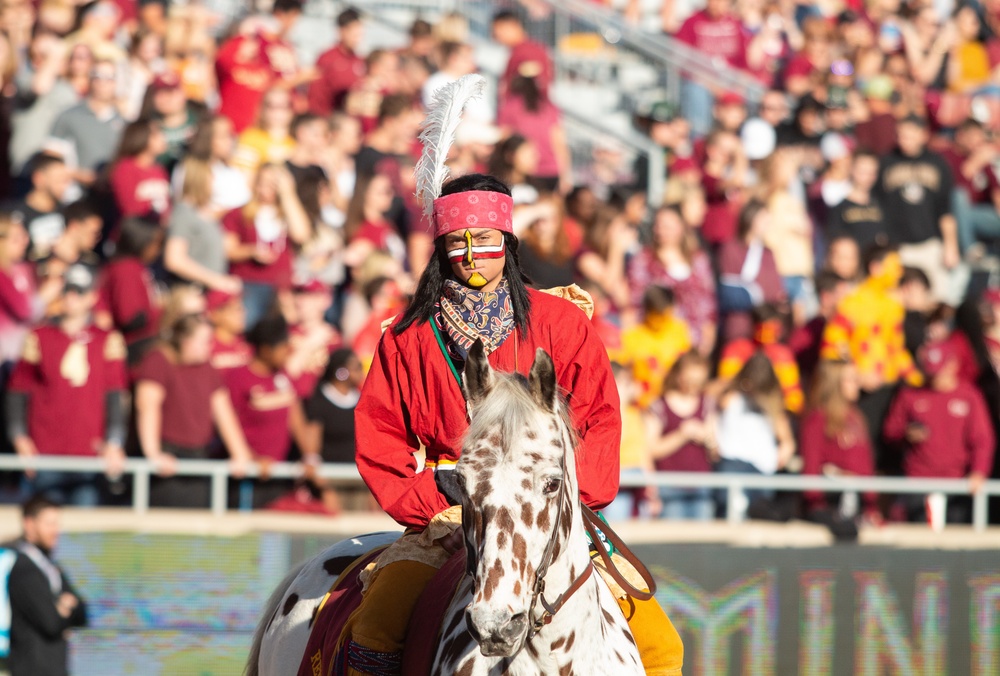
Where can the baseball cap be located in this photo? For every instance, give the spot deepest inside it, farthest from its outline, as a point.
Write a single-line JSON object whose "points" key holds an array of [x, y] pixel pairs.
{"points": [[663, 111], [933, 356], [78, 278], [310, 286], [166, 80], [879, 87], [216, 299], [730, 99]]}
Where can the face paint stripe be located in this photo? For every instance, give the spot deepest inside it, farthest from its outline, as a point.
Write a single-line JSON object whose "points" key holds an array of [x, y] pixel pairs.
{"points": [[477, 252]]}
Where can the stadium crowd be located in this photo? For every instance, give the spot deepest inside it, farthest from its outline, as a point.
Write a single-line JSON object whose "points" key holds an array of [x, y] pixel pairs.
{"points": [[202, 239]]}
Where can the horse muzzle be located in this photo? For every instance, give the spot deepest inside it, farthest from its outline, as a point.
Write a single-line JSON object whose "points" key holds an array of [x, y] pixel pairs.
{"points": [[499, 633]]}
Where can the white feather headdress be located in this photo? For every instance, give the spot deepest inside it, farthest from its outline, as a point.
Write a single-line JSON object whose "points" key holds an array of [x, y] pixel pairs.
{"points": [[438, 135]]}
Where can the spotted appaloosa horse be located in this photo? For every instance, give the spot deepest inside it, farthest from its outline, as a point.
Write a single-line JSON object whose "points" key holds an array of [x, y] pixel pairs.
{"points": [[530, 604]]}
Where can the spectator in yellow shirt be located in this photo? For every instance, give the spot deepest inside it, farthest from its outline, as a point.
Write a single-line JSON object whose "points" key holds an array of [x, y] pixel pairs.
{"points": [[652, 347], [867, 330]]}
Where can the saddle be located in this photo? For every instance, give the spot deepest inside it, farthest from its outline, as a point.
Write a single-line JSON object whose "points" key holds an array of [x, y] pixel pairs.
{"points": [[323, 657]]}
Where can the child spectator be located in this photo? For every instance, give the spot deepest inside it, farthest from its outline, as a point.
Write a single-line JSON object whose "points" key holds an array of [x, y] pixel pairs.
{"points": [[266, 405], [229, 322], [867, 330], [833, 437], [312, 339], [943, 428], [180, 401], [70, 371], [753, 432], [843, 258], [684, 439], [653, 346], [769, 330], [635, 458], [129, 300], [806, 340]]}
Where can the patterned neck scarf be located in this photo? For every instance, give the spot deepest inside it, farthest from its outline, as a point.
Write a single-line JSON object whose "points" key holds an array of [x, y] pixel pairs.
{"points": [[467, 314]]}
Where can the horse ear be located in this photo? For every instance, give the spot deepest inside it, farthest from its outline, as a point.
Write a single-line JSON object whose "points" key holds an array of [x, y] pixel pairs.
{"points": [[477, 378], [542, 380]]}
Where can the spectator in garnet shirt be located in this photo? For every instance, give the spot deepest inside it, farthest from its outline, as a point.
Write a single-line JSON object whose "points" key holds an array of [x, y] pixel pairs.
{"points": [[527, 111], [266, 405], [723, 179], [971, 159], [229, 321], [129, 300], [313, 339], [70, 371], [180, 401], [748, 275], [246, 67], [684, 441], [259, 239], [808, 68], [833, 436], [509, 32], [19, 305], [719, 35], [340, 67], [367, 228], [944, 430], [140, 186]]}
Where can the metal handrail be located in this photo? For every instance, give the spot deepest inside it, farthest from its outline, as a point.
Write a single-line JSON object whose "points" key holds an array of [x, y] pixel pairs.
{"points": [[734, 484], [667, 51]]}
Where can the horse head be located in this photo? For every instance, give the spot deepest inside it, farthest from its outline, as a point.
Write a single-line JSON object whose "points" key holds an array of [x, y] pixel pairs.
{"points": [[520, 500]]}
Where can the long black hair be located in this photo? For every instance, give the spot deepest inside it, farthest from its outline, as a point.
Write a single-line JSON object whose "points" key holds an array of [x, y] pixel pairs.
{"points": [[431, 285]]}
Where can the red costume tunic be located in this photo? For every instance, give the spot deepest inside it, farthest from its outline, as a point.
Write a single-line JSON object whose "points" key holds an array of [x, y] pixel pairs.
{"points": [[410, 396]]}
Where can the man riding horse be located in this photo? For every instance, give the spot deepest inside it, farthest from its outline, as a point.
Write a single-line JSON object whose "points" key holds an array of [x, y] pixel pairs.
{"points": [[473, 289]]}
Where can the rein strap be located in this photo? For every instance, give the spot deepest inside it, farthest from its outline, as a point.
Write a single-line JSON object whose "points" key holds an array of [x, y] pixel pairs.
{"points": [[592, 523]]}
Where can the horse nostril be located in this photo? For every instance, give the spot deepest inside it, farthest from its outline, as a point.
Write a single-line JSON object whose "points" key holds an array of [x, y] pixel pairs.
{"points": [[515, 628], [473, 630]]}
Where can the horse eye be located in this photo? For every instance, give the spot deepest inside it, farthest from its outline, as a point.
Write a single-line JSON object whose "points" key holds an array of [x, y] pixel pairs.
{"points": [[551, 485]]}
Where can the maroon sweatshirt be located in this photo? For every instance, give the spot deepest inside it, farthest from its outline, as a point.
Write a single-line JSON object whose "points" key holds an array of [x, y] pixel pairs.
{"points": [[960, 437], [849, 451]]}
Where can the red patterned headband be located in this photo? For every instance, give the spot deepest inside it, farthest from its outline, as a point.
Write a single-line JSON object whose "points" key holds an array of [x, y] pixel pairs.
{"points": [[473, 209]]}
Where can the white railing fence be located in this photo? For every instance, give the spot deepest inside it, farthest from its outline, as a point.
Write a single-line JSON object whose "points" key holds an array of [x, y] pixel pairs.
{"points": [[734, 484]]}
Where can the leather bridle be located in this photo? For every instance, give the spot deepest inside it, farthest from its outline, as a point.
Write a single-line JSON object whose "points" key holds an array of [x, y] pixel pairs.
{"points": [[538, 591]]}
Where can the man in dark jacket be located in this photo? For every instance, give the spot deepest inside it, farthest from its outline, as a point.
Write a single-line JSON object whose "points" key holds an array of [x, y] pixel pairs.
{"points": [[43, 603]]}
